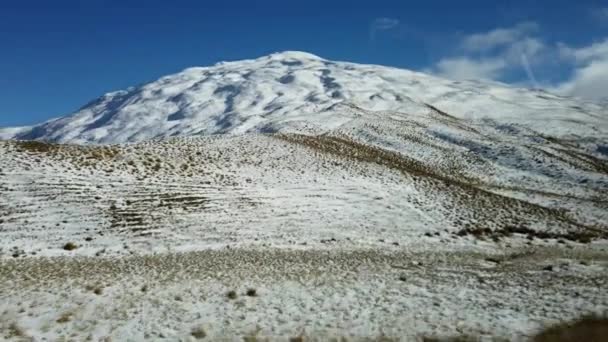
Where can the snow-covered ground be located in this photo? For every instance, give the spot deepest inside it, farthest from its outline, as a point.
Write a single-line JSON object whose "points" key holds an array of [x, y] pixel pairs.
{"points": [[319, 295], [358, 201]]}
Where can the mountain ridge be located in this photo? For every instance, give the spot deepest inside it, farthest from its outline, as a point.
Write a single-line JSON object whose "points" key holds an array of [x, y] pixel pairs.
{"points": [[282, 91]]}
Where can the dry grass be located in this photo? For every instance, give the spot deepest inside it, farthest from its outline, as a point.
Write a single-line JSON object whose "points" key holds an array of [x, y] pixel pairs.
{"points": [[36, 146], [14, 330], [588, 329], [287, 264]]}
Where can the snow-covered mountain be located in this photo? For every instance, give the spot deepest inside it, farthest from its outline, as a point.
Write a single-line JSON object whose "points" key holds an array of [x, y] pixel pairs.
{"points": [[386, 203], [300, 91]]}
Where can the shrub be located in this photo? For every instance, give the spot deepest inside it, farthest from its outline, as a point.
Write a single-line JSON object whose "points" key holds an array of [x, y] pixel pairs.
{"points": [[199, 333], [70, 246]]}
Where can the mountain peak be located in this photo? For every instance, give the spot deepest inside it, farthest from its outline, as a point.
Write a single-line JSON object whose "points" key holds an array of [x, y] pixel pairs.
{"points": [[290, 90], [299, 55]]}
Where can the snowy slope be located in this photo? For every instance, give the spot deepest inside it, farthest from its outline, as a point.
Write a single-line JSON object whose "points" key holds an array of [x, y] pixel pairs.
{"points": [[384, 176], [391, 225], [296, 90]]}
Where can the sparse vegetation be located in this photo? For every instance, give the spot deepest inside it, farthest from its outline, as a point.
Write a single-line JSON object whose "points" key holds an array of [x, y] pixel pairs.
{"points": [[291, 265], [484, 206]]}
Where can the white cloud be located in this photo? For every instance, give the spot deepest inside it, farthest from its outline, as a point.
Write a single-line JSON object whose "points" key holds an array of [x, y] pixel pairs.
{"points": [[590, 81], [385, 23], [589, 77], [382, 24], [498, 37], [492, 54], [532, 48]]}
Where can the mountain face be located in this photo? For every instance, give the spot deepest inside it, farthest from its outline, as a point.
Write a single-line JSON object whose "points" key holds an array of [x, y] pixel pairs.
{"points": [[296, 91]]}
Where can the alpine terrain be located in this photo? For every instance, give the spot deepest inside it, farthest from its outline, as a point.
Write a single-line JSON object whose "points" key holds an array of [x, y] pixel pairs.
{"points": [[291, 197]]}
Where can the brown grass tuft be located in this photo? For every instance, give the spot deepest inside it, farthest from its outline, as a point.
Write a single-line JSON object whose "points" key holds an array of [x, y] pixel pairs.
{"points": [[64, 318]]}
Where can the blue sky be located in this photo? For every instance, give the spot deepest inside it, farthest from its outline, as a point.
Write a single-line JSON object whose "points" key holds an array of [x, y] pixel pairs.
{"points": [[57, 55]]}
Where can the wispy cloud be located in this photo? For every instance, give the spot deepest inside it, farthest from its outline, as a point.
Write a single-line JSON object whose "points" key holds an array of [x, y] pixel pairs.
{"points": [[382, 24], [497, 53], [526, 64], [492, 54]]}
